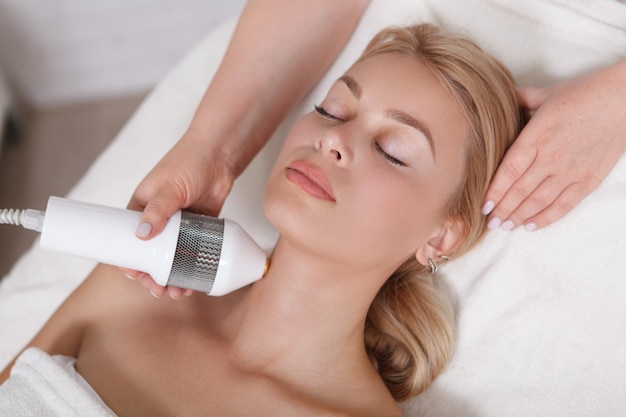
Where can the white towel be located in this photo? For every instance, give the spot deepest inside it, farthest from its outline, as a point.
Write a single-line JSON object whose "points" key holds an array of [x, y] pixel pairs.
{"points": [[41, 386], [541, 316]]}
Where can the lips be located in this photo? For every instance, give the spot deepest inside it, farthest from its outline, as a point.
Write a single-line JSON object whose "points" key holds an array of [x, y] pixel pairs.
{"points": [[310, 179]]}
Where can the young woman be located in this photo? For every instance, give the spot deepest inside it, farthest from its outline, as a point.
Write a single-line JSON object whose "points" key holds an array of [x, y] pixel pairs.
{"points": [[580, 122], [371, 191]]}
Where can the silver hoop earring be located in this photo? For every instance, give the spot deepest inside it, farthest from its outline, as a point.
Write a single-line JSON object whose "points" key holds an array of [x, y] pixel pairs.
{"points": [[432, 265]]}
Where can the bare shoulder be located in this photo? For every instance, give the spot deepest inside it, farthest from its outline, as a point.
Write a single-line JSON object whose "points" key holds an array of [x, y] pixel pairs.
{"points": [[63, 332], [95, 296]]}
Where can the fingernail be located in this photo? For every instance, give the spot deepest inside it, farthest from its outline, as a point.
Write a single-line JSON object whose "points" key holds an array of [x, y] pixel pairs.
{"points": [[507, 225], [144, 229], [129, 276], [154, 294], [487, 207], [530, 226], [494, 223]]}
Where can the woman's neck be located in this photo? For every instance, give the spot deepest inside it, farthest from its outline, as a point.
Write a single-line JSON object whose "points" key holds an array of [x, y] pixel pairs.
{"points": [[305, 311]]}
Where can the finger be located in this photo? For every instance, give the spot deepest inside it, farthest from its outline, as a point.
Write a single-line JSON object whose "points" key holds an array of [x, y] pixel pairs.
{"points": [[154, 216], [130, 273], [562, 205], [175, 293], [148, 283], [532, 98], [136, 202], [514, 165], [536, 201]]}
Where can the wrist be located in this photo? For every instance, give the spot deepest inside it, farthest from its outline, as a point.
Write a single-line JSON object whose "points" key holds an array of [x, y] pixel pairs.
{"points": [[231, 140], [214, 143]]}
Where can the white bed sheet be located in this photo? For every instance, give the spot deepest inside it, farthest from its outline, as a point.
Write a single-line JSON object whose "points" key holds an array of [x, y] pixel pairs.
{"points": [[541, 316]]}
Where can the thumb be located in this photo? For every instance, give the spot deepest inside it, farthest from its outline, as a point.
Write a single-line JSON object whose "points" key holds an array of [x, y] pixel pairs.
{"points": [[157, 211]]}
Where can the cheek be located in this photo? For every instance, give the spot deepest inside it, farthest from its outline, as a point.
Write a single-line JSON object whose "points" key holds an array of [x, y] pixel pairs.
{"points": [[392, 217], [282, 209], [294, 139]]}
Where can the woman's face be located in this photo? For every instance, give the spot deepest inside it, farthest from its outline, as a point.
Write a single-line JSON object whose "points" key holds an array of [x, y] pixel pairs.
{"points": [[366, 176]]}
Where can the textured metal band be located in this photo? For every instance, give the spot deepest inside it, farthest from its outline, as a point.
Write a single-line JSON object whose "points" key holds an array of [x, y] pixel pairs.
{"points": [[197, 252]]}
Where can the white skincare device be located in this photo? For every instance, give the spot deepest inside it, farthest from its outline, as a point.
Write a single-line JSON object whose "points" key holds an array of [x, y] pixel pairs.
{"points": [[197, 252]]}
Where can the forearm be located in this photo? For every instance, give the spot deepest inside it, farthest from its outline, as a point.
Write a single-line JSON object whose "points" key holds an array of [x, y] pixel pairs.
{"points": [[278, 52]]}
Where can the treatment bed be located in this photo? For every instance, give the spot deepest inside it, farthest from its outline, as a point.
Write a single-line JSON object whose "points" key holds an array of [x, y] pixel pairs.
{"points": [[541, 315]]}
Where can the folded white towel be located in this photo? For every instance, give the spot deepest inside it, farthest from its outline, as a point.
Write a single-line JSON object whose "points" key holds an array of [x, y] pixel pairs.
{"points": [[41, 386]]}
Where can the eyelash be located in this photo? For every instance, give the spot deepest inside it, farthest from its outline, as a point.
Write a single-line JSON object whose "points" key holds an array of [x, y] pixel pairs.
{"points": [[324, 113], [388, 157], [379, 149]]}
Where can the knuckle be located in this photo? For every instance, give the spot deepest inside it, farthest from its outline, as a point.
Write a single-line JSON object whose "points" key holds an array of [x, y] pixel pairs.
{"points": [[520, 193], [510, 170], [540, 198]]}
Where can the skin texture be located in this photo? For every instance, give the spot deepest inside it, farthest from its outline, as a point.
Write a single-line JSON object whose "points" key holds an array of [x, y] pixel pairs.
{"points": [[291, 343]]}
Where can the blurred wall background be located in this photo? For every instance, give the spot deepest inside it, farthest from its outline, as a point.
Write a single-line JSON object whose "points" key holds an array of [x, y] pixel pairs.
{"points": [[75, 71], [61, 51]]}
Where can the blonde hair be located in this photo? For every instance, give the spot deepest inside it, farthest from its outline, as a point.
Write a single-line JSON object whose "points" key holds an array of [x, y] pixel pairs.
{"points": [[410, 326]]}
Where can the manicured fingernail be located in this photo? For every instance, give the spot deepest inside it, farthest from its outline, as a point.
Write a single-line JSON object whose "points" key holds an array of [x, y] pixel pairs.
{"points": [[530, 226], [487, 207], [144, 229], [494, 223], [507, 225]]}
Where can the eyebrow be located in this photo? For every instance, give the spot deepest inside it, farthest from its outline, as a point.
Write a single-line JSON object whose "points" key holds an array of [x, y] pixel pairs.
{"points": [[407, 119], [394, 114], [353, 86]]}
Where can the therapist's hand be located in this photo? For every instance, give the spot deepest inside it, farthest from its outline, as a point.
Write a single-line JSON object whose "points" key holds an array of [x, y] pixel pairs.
{"points": [[191, 175], [570, 144]]}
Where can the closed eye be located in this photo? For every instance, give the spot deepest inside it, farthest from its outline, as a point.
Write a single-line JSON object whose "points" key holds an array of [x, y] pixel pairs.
{"points": [[325, 114], [388, 157]]}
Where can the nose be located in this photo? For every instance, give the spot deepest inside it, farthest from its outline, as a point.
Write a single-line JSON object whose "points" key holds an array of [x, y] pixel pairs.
{"points": [[334, 143]]}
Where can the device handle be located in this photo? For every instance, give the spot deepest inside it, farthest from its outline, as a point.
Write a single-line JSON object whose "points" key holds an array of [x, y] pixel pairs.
{"points": [[107, 235]]}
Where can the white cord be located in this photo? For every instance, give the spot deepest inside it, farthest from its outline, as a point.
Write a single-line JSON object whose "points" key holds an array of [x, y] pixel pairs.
{"points": [[10, 216], [28, 219]]}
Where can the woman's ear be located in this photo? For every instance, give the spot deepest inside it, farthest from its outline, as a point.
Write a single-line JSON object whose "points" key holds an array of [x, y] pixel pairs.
{"points": [[445, 241]]}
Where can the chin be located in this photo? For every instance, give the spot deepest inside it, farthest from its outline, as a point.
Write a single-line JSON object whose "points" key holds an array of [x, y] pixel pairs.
{"points": [[281, 211], [289, 209], [288, 219]]}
